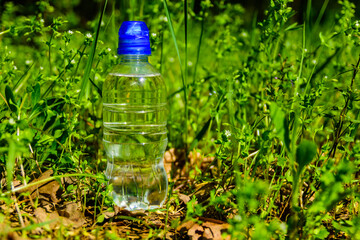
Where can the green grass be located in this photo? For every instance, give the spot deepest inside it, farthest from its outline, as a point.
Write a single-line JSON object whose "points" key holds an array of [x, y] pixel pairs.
{"points": [[263, 118]]}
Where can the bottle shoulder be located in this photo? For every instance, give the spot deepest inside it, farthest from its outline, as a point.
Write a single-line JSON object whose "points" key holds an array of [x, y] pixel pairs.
{"points": [[134, 77], [134, 69]]}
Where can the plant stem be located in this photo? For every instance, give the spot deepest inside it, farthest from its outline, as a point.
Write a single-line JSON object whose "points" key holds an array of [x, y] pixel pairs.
{"points": [[340, 124]]}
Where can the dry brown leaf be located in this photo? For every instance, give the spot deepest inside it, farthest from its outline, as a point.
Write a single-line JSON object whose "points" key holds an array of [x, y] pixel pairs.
{"points": [[47, 191], [192, 229], [184, 198], [13, 236], [196, 232], [72, 212], [215, 229], [108, 215], [42, 216], [209, 229]]}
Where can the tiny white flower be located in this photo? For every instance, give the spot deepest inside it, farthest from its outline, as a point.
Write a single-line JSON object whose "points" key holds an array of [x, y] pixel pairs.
{"points": [[153, 34], [326, 77], [41, 68], [42, 20], [115, 56], [70, 32], [9, 52], [108, 49], [11, 121], [305, 50], [227, 133], [238, 218], [190, 63], [283, 227], [28, 62], [165, 19], [15, 67], [314, 61], [357, 25], [171, 59], [88, 35], [73, 61]]}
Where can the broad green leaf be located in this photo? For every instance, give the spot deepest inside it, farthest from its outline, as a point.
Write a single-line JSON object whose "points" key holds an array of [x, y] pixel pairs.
{"points": [[10, 98], [35, 96], [305, 153], [278, 118], [200, 134]]}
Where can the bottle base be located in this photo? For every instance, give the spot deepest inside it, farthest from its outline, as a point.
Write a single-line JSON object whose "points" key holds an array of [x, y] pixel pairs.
{"points": [[138, 187], [132, 203]]}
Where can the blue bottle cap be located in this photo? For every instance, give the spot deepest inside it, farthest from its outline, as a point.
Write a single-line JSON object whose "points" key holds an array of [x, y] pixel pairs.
{"points": [[134, 38]]}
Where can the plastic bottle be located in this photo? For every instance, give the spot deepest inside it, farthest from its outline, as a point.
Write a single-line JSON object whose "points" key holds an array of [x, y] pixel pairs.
{"points": [[134, 118]]}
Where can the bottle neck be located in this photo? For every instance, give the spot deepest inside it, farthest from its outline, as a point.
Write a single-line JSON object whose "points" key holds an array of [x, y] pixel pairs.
{"points": [[134, 58]]}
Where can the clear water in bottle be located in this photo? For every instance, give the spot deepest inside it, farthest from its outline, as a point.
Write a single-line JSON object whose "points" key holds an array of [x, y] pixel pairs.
{"points": [[135, 139], [134, 119]]}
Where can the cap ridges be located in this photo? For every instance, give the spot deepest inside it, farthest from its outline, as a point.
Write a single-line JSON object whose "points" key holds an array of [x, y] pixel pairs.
{"points": [[134, 38]]}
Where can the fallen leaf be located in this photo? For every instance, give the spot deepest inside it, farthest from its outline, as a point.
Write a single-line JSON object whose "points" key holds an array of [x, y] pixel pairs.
{"points": [[13, 236], [47, 191], [208, 229], [42, 216], [215, 229], [192, 229], [108, 215], [184, 198], [72, 212]]}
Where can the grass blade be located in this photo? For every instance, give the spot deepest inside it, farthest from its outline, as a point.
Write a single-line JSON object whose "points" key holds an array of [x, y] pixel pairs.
{"points": [[171, 28], [10, 163], [199, 45], [186, 70], [85, 88]]}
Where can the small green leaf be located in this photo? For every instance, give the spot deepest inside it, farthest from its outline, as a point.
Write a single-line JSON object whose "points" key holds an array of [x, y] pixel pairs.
{"points": [[321, 232], [58, 133], [305, 153], [100, 218], [348, 139]]}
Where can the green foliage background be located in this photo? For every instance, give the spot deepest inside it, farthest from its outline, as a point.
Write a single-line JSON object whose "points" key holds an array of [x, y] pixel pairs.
{"points": [[274, 101]]}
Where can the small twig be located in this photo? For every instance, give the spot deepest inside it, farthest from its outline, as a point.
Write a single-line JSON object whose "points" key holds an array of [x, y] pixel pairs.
{"points": [[13, 190], [18, 209], [36, 161]]}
